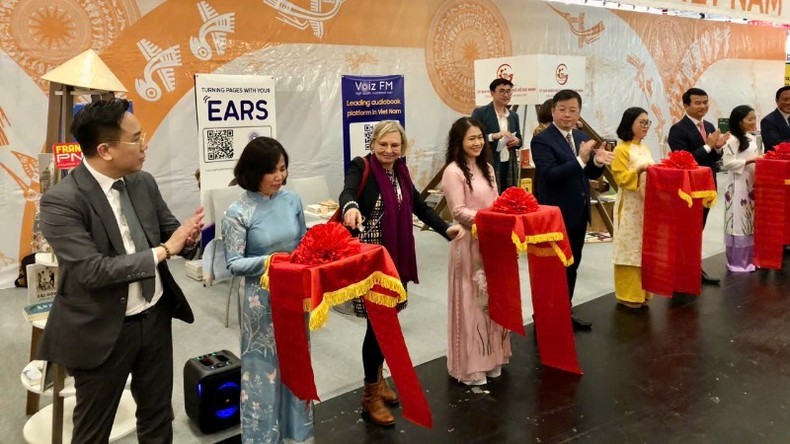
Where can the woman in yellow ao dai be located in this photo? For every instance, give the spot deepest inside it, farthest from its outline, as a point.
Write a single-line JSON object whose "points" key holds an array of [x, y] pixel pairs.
{"points": [[631, 158]]}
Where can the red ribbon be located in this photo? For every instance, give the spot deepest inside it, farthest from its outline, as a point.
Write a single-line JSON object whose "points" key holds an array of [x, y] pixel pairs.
{"points": [[385, 325], [291, 285], [771, 211], [542, 234], [672, 241]]}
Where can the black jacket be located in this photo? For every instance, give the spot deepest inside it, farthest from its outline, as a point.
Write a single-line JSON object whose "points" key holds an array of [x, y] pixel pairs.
{"points": [[370, 194]]}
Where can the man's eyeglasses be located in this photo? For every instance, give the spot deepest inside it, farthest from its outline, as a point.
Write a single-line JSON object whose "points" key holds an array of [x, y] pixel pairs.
{"points": [[646, 123], [504, 92], [139, 142]]}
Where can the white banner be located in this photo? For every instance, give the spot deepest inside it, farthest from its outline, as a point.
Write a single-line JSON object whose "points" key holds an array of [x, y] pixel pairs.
{"points": [[535, 77], [231, 111], [517, 69]]}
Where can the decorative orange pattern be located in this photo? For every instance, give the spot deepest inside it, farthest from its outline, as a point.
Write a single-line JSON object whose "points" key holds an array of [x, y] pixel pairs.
{"points": [[41, 34], [579, 28], [356, 59], [3, 123], [461, 32], [683, 49]]}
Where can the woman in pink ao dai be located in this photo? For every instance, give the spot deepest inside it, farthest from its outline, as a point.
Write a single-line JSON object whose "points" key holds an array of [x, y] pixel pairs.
{"points": [[477, 347]]}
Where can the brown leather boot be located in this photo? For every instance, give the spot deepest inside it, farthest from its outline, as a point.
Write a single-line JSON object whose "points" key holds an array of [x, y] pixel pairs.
{"points": [[373, 406], [389, 395]]}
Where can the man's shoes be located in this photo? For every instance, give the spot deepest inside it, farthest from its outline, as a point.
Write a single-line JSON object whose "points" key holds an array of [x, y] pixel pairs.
{"points": [[709, 280], [580, 324]]}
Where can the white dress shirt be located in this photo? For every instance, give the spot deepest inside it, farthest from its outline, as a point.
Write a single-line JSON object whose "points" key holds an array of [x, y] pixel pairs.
{"points": [[135, 303]]}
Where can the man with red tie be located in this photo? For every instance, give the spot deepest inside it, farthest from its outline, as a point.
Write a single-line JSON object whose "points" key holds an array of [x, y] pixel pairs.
{"points": [[699, 137], [775, 126], [565, 161]]}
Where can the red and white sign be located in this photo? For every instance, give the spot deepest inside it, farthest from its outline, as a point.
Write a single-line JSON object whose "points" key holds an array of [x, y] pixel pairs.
{"points": [[67, 155], [535, 77]]}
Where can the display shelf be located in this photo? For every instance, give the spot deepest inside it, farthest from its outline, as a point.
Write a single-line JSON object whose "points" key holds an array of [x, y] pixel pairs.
{"points": [[38, 429]]}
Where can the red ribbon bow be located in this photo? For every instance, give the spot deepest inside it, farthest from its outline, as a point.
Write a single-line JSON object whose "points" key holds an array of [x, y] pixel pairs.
{"points": [[325, 243], [515, 200], [780, 152], [680, 160]]}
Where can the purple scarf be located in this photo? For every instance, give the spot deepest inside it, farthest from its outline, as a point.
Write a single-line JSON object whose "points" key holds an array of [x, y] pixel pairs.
{"points": [[396, 221]]}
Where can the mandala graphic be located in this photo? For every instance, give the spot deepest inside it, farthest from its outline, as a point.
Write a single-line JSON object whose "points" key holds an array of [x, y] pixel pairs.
{"points": [[461, 32], [41, 34]]}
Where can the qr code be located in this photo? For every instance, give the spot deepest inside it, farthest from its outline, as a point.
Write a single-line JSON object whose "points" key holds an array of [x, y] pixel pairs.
{"points": [[219, 144], [368, 130]]}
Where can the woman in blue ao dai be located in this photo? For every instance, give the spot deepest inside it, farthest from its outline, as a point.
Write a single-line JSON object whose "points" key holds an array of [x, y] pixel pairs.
{"points": [[265, 220]]}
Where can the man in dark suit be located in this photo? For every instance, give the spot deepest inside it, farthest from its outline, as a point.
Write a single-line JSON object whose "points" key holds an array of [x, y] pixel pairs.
{"points": [[503, 133], [565, 161], [112, 233], [775, 126], [699, 137]]}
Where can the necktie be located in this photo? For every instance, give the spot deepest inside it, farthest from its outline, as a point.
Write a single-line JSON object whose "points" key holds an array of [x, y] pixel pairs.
{"points": [[702, 132], [138, 235], [569, 138]]}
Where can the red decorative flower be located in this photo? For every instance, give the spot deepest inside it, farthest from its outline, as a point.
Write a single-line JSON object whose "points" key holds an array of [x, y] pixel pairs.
{"points": [[515, 200], [680, 160], [780, 152], [325, 243]]}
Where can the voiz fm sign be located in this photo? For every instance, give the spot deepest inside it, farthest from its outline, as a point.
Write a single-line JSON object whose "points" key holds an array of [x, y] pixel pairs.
{"points": [[366, 87]]}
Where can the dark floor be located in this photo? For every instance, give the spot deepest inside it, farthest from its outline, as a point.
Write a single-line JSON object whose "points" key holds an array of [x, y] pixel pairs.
{"points": [[715, 370]]}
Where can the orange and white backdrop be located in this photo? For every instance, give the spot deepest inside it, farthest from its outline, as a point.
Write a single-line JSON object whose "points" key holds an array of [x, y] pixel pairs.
{"points": [[156, 46]]}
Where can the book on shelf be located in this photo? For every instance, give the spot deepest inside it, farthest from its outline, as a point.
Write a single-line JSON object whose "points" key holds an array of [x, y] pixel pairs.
{"points": [[37, 311], [32, 372], [42, 283]]}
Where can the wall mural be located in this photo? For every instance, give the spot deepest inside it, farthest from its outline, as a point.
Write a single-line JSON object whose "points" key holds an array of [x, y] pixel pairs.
{"points": [[156, 46]]}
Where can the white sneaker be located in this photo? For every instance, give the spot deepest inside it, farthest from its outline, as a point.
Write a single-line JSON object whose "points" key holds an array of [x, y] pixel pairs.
{"points": [[474, 382], [495, 373]]}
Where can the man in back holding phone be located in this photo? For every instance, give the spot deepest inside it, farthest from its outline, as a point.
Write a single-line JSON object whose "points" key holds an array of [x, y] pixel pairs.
{"points": [[502, 131]]}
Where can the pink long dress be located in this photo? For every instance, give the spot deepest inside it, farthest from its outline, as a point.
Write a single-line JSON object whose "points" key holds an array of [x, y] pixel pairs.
{"points": [[475, 343]]}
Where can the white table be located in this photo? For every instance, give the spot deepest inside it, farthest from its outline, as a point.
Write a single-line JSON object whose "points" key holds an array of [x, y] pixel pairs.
{"points": [[38, 429]]}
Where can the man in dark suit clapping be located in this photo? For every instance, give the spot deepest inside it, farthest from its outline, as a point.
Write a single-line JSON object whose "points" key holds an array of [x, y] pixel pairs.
{"points": [[112, 235], [775, 127], [699, 137], [565, 161]]}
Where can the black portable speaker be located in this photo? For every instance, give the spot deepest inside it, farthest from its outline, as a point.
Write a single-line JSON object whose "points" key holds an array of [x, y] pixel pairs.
{"points": [[212, 390]]}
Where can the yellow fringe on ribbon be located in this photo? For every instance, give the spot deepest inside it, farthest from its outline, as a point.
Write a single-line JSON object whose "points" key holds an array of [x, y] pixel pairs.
{"points": [[318, 315], [787, 181], [265, 277], [555, 250], [474, 231], [685, 196], [535, 239], [521, 247], [708, 197]]}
